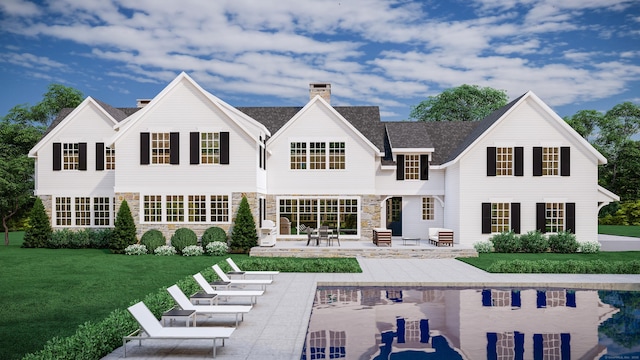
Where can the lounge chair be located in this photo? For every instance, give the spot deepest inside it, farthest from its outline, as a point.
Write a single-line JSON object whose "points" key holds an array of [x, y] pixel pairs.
{"points": [[152, 329], [237, 271], [224, 277], [184, 303], [207, 288]]}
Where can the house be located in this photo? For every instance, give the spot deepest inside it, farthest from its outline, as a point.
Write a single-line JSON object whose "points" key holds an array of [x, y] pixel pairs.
{"points": [[186, 158]]}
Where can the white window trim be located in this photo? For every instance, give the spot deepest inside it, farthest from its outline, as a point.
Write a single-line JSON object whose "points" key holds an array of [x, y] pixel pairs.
{"points": [[359, 213], [185, 201]]}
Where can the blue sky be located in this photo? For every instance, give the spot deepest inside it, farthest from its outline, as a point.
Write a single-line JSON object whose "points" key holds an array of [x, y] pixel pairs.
{"points": [[574, 54]]}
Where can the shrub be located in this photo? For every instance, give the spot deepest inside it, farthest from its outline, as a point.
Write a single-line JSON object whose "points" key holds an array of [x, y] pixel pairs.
{"points": [[589, 247], [101, 238], [534, 242], [483, 246], [59, 239], [244, 235], [563, 242], [192, 250], [165, 250], [182, 238], [213, 234], [124, 233], [39, 232], [217, 248], [135, 249], [505, 242], [152, 239]]}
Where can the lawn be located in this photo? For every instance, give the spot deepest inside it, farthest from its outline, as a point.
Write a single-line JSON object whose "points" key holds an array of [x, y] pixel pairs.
{"points": [[47, 293], [621, 230], [483, 261]]}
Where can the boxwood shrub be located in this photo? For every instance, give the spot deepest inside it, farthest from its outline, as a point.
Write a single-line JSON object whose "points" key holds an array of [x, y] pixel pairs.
{"points": [[212, 234], [506, 242], [533, 242], [182, 238], [563, 242], [152, 239]]}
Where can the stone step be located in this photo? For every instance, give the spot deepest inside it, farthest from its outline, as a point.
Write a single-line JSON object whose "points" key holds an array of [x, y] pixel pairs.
{"points": [[376, 252]]}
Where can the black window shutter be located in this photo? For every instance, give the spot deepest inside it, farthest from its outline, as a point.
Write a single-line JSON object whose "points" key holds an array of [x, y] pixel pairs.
{"points": [[144, 148], [99, 156], [537, 161], [486, 218], [515, 217], [194, 148], [264, 156], [570, 217], [260, 154], [518, 166], [565, 161], [174, 152], [57, 156], [400, 167], [541, 218], [82, 156], [424, 167], [491, 161], [224, 148]]}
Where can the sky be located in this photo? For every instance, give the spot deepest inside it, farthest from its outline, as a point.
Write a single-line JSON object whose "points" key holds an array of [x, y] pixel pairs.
{"points": [[574, 54]]}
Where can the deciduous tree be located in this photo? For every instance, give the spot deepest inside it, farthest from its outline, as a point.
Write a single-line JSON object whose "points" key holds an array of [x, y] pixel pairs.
{"points": [[462, 103]]}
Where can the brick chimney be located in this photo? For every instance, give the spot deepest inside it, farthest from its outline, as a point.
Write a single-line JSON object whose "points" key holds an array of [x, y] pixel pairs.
{"points": [[322, 89]]}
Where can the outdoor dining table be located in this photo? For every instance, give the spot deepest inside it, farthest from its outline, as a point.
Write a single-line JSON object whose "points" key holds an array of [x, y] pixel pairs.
{"points": [[315, 233]]}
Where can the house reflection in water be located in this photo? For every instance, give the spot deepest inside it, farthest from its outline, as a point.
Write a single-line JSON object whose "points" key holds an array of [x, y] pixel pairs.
{"points": [[431, 323]]}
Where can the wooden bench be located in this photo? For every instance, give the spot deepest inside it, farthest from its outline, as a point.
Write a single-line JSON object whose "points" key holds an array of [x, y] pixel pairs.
{"points": [[441, 237], [381, 237]]}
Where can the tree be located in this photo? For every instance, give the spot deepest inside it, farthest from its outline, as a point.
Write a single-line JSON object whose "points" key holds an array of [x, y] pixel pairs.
{"points": [[124, 233], [585, 122], [55, 99], [462, 103], [244, 235], [39, 231]]}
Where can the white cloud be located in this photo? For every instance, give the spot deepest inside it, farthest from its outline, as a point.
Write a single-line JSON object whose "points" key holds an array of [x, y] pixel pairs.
{"points": [[19, 8]]}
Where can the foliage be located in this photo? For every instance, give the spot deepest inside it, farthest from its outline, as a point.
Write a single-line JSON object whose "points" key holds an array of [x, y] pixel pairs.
{"points": [[589, 247], [39, 231], [192, 250], [506, 242], [244, 235], [124, 233], [565, 267], [212, 234], [462, 103], [585, 122], [628, 213], [483, 246], [152, 239], [534, 242], [217, 248], [135, 249], [563, 242], [165, 250], [55, 99], [622, 326], [182, 238]]}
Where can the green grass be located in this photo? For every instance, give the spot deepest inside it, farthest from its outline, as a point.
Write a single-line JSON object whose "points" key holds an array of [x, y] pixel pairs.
{"points": [[621, 230], [484, 260], [47, 293]]}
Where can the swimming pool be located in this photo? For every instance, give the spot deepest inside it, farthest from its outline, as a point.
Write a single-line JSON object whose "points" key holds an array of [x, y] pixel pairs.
{"points": [[474, 323]]}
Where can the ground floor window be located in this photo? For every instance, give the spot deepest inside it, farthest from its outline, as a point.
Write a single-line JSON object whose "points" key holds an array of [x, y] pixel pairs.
{"points": [[427, 208], [302, 213], [500, 217], [554, 215], [83, 211], [172, 208]]}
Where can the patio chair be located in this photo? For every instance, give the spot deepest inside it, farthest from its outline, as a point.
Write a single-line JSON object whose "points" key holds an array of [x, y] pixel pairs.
{"points": [[237, 271], [311, 237], [208, 289], [150, 328], [242, 282], [210, 310], [323, 234]]}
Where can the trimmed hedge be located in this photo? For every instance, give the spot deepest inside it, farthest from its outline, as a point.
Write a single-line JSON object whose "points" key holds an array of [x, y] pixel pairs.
{"points": [[565, 267], [153, 239]]}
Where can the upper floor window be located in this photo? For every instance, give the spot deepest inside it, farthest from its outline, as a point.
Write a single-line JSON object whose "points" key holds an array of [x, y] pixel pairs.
{"points": [[160, 148], [427, 208], [337, 155], [412, 167], [314, 155], [298, 155], [110, 158], [317, 155], [552, 161], [209, 148], [70, 156], [504, 161]]}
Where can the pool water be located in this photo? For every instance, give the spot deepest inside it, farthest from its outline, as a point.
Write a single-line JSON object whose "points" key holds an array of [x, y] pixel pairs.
{"points": [[477, 323]]}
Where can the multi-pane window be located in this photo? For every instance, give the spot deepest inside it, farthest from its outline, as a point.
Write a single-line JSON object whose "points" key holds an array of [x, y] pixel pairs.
{"points": [[550, 160], [504, 161], [500, 297], [427, 208], [160, 148], [101, 211], [152, 208], [318, 344], [551, 345], [83, 211], [317, 155], [337, 344], [505, 346], [298, 155], [210, 148], [337, 155], [337, 213], [219, 208], [554, 217], [197, 208], [63, 211], [556, 298], [500, 215], [70, 156], [412, 167], [110, 158], [175, 208]]}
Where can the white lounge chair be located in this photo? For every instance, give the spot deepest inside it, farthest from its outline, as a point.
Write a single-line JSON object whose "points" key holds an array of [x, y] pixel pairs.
{"points": [[224, 277], [152, 329], [207, 288], [185, 304], [237, 271]]}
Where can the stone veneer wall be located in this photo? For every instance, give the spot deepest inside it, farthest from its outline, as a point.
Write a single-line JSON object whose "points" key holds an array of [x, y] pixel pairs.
{"points": [[47, 201]]}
